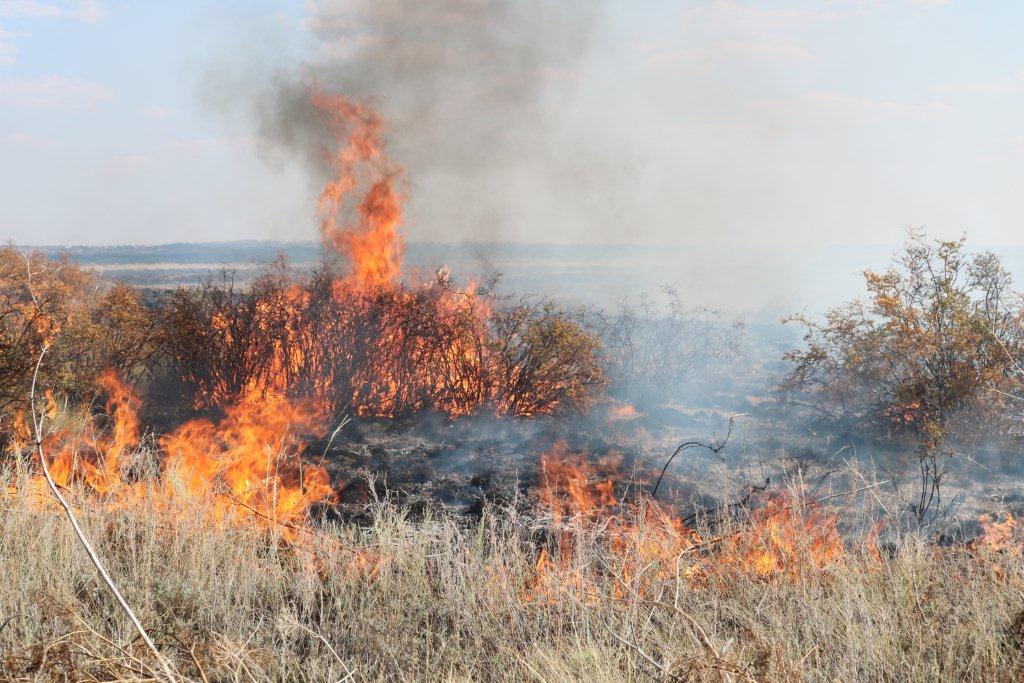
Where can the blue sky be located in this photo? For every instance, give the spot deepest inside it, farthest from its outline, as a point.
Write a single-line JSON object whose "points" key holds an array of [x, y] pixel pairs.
{"points": [[721, 122]]}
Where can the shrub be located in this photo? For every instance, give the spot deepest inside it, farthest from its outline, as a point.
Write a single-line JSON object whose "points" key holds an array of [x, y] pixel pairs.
{"points": [[933, 351], [88, 326], [222, 338], [651, 351], [381, 351]]}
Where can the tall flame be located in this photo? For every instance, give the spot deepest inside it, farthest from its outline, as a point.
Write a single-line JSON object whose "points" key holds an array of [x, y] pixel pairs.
{"points": [[372, 242]]}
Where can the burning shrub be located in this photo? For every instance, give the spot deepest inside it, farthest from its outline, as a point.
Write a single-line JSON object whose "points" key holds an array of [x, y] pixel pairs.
{"points": [[937, 345], [359, 341], [223, 339], [378, 351], [88, 326]]}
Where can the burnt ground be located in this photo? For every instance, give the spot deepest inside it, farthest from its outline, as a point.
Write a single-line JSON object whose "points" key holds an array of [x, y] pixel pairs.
{"points": [[457, 467]]}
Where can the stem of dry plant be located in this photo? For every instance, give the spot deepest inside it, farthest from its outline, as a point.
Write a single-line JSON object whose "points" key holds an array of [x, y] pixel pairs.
{"points": [[37, 424]]}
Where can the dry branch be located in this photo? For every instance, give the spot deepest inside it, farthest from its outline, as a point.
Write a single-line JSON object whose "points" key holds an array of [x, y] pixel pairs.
{"points": [[37, 420]]}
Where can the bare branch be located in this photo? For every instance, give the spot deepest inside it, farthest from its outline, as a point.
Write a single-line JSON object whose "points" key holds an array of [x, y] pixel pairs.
{"points": [[37, 423]]}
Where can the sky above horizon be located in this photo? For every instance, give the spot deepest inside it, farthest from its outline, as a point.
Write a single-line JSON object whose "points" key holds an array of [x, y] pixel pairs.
{"points": [[720, 122]]}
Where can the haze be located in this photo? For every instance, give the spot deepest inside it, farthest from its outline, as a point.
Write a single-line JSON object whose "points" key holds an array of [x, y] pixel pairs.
{"points": [[715, 123]]}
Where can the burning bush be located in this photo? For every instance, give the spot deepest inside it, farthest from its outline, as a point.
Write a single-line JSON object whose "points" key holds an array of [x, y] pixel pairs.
{"points": [[222, 339], [88, 326], [379, 351], [359, 340], [936, 347]]}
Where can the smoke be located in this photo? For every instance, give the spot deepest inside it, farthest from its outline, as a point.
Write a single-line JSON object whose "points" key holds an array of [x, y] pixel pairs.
{"points": [[470, 91]]}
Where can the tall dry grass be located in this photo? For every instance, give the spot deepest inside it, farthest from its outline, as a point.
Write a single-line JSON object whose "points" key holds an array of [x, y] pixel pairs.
{"points": [[445, 599]]}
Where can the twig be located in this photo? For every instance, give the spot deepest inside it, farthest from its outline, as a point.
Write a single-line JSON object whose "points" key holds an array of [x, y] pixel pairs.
{"points": [[349, 673], [750, 490], [341, 425], [650, 660], [848, 493], [715, 447], [288, 525], [37, 426]]}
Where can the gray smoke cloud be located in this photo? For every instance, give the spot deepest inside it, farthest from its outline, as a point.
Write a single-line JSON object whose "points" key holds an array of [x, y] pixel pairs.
{"points": [[470, 90]]}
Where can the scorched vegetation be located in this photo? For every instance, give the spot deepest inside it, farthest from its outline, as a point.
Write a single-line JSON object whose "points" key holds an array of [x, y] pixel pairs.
{"points": [[179, 501]]}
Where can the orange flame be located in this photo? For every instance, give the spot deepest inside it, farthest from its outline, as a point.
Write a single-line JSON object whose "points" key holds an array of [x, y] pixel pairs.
{"points": [[998, 536], [372, 244], [246, 466], [648, 541], [786, 537], [252, 458], [622, 413]]}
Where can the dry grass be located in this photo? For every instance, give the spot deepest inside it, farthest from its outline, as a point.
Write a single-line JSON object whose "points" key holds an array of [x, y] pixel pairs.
{"points": [[443, 599]]}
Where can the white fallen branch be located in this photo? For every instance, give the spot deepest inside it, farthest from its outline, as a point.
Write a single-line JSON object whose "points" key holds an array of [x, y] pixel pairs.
{"points": [[37, 424]]}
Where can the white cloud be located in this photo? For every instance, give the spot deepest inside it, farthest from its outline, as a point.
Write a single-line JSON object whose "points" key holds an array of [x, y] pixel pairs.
{"points": [[724, 32], [725, 17], [930, 3], [89, 11], [715, 54], [866, 108], [53, 92], [156, 112], [200, 146], [19, 139], [992, 86], [77, 10], [8, 49]]}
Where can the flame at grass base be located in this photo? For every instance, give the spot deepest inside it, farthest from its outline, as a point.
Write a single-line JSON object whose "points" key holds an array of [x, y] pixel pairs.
{"points": [[642, 542], [246, 466]]}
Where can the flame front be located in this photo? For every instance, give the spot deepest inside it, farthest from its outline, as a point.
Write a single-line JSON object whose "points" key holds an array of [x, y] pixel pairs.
{"points": [[252, 458], [586, 501], [246, 466]]}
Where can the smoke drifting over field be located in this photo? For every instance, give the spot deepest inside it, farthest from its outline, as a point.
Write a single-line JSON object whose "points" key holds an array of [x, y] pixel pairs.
{"points": [[467, 90]]}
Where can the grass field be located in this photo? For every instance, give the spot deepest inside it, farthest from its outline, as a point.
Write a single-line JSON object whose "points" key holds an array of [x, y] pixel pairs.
{"points": [[443, 598]]}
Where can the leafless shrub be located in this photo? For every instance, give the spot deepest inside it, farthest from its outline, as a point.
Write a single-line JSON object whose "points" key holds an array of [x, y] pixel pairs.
{"points": [[653, 351]]}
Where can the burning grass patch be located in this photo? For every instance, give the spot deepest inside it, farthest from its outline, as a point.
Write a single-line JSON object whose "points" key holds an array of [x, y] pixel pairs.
{"points": [[440, 598]]}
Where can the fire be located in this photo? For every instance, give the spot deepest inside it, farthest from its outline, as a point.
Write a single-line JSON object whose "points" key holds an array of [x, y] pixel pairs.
{"points": [[94, 456], [786, 536], [646, 541], [251, 459], [278, 362], [623, 413], [570, 484], [905, 413], [998, 536], [364, 342], [372, 242], [246, 466]]}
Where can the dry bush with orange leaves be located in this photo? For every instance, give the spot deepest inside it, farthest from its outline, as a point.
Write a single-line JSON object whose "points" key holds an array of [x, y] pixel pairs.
{"points": [[935, 352], [380, 351], [88, 326]]}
